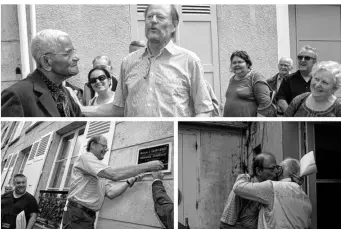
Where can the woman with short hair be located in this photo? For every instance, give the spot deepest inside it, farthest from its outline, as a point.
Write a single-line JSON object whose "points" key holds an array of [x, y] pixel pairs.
{"points": [[99, 80], [248, 94], [321, 101]]}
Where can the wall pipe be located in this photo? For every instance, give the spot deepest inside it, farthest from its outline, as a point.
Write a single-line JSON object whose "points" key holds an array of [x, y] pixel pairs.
{"points": [[25, 63], [33, 28]]}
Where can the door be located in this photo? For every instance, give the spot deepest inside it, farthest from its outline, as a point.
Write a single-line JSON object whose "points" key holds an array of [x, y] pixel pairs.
{"points": [[324, 187], [35, 162], [209, 159], [197, 31], [320, 27]]}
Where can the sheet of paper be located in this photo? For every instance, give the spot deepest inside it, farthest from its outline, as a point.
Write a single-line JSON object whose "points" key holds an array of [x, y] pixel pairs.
{"points": [[308, 165]]}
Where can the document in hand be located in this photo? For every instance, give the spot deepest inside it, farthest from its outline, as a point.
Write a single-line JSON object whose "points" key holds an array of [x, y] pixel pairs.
{"points": [[308, 165]]}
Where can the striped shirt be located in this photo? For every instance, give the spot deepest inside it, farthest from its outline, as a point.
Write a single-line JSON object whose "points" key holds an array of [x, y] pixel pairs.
{"points": [[86, 188], [169, 84], [240, 212]]}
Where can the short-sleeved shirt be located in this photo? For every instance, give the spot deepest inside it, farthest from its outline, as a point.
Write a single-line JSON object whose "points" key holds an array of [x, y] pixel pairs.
{"points": [[292, 86], [170, 84], [11, 207], [242, 100], [86, 187], [298, 108]]}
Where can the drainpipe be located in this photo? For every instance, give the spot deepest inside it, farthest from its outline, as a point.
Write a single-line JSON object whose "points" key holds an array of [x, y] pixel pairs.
{"points": [[33, 28], [25, 63]]}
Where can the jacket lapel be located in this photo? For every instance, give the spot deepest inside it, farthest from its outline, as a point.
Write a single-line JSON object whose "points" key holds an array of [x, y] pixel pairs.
{"points": [[45, 98]]}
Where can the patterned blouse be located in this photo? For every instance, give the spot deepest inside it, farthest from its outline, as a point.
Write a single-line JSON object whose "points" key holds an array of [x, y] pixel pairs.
{"points": [[298, 108]]}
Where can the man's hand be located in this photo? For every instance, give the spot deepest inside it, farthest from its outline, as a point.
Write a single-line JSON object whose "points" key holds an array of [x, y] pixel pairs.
{"points": [[158, 175], [154, 165], [137, 178]]}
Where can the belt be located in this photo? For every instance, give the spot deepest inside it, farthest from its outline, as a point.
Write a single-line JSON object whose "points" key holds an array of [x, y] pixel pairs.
{"points": [[87, 210]]}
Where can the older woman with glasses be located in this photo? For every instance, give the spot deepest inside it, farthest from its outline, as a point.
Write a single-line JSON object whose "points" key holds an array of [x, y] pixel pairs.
{"points": [[321, 101], [99, 80], [248, 94], [284, 203]]}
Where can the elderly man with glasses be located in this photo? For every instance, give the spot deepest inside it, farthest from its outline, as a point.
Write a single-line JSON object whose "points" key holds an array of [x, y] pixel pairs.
{"points": [[42, 94], [297, 82], [91, 181], [240, 213]]}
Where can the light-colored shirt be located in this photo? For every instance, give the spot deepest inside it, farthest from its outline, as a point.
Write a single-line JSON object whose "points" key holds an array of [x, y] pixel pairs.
{"points": [[240, 212], [279, 81], [284, 203], [169, 84], [93, 101], [86, 187]]}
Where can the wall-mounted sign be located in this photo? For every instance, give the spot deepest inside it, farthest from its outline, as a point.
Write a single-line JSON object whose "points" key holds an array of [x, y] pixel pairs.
{"points": [[156, 152]]}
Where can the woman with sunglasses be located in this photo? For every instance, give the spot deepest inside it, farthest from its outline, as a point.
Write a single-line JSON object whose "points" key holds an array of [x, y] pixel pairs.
{"points": [[248, 94], [99, 80], [321, 101]]}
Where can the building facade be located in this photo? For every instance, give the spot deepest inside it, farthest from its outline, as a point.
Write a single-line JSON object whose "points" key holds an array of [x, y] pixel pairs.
{"points": [[219, 151], [266, 32], [45, 152]]}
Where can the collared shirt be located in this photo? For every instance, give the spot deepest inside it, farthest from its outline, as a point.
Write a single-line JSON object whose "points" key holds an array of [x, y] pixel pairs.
{"points": [[239, 212], [284, 203], [292, 86], [170, 84], [86, 187], [58, 95], [279, 81]]}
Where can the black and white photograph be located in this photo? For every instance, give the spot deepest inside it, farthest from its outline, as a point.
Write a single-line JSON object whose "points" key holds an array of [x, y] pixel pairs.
{"points": [[219, 60], [259, 174], [87, 174]]}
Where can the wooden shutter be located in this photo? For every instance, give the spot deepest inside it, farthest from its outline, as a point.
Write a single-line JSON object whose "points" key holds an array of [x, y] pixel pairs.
{"points": [[35, 162], [10, 169], [106, 129], [197, 31]]}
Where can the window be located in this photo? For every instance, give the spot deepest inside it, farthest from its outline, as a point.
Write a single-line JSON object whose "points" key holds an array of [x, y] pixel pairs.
{"points": [[18, 130], [22, 166], [70, 146]]}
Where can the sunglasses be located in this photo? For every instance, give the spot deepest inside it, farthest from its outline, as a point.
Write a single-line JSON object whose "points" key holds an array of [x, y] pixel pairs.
{"points": [[100, 78], [307, 58]]}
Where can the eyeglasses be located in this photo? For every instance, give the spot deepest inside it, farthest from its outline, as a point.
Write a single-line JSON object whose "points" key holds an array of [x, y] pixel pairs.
{"points": [[307, 58], [69, 53], [157, 16], [104, 146], [100, 78], [272, 168]]}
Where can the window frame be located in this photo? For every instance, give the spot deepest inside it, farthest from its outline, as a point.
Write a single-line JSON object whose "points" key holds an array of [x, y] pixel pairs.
{"points": [[62, 184]]}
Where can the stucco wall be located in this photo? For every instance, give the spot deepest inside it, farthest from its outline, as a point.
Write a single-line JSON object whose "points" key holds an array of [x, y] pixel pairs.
{"points": [[94, 30], [251, 28], [135, 207], [10, 46]]}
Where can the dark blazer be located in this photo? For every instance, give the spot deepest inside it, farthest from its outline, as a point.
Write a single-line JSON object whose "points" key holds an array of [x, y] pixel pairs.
{"points": [[273, 82], [163, 204], [30, 97]]}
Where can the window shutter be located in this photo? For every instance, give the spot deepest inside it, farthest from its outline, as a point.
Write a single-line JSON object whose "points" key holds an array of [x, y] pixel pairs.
{"points": [[33, 151], [196, 9], [141, 8], [97, 128], [8, 161], [14, 158], [35, 163]]}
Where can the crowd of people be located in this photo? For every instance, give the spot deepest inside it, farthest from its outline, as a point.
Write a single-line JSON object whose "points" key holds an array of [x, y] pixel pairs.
{"points": [[159, 78]]}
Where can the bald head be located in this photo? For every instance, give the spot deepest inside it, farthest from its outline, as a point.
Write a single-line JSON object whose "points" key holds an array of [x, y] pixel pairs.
{"points": [[285, 65], [263, 166]]}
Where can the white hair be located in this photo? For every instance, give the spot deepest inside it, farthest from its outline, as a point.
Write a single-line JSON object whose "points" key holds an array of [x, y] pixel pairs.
{"points": [[45, 41], [311, 49], [331, 66], [285, 58]]}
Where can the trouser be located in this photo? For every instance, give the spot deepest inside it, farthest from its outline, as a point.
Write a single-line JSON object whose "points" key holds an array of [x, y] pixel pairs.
{"points": [[78, 217], [226, 226]]}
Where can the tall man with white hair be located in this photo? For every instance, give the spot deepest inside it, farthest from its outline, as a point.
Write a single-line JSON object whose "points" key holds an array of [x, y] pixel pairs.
{"points": [[298, 82], [284, 203], [42, 94], [161, 79]]}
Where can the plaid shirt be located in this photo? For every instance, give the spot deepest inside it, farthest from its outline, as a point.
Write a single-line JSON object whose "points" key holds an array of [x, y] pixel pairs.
{"points": [[239, 212]]}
